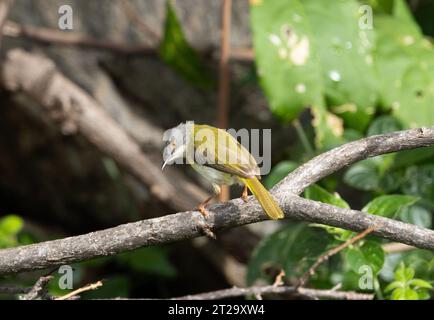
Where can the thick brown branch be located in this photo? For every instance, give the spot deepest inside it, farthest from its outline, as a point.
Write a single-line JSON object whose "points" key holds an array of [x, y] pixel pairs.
{"points": [[186, 225]]}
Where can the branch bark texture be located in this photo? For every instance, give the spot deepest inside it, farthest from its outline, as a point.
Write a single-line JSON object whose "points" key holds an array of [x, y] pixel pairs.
{"points": [[277, 290], [88, 118]]}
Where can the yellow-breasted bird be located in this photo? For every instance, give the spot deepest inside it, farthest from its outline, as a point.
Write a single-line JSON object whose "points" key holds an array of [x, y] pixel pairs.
{"points": [[221, 159]]}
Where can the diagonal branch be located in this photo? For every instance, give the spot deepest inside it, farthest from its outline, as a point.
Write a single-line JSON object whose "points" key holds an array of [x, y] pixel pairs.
{"points": [[187, 225], [75, 110], [329, 162]]}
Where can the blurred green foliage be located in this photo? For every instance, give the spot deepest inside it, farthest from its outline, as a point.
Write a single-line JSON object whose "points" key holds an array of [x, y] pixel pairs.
{"points": [[178, 54], [406, 287], [295, 247], [10, 226], [362, 68], [359, 79]]}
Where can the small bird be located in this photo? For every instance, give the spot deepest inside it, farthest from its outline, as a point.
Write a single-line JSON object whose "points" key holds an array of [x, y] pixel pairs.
{"points": [[220, 159]]}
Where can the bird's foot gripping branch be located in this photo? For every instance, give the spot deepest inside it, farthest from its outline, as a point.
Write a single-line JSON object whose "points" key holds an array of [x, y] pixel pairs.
{"points": [[182, 225]]}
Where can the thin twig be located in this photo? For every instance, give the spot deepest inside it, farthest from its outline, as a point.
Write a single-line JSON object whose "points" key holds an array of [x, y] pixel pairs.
{"points": [[279, 290], [38, 290], [303, 280], [279, 278], [74, 293]]}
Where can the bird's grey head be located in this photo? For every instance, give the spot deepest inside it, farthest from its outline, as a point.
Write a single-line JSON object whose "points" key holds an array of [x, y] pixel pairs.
{"points": [[176, 144]]}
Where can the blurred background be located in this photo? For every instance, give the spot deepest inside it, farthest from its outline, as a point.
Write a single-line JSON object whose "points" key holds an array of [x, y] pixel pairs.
{"points": [[318, 73]]}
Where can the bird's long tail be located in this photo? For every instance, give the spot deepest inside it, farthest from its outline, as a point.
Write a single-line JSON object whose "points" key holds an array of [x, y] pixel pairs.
{"points": [[267, 202]]}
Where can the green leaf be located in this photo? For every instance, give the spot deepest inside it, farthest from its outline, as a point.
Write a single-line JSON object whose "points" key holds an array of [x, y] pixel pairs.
{"points": [[177, 53], [405, 287], [383, 124], [420, 283], [288, 70], [329, 128], [423, 294], [418, 182], [380, 6], [279, 171], [422, 261], [293, 249], [402, 12], [318, 193], [406, 158], [388, 205], [11, 224], [392, 286], [375, 174], [315, 192], [346, 62], [369, 254], [405, 64], [363, 175], [288, 66], [416, 215], [398, 294], [408, 274], [403, 273]]}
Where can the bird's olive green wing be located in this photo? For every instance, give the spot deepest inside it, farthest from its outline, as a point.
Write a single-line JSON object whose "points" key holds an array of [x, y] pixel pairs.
{"points": [[219, 150]]}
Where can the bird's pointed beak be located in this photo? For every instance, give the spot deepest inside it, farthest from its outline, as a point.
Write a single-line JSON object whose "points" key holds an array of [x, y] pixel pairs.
{"points": [[178, 153], [164, 164]]}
